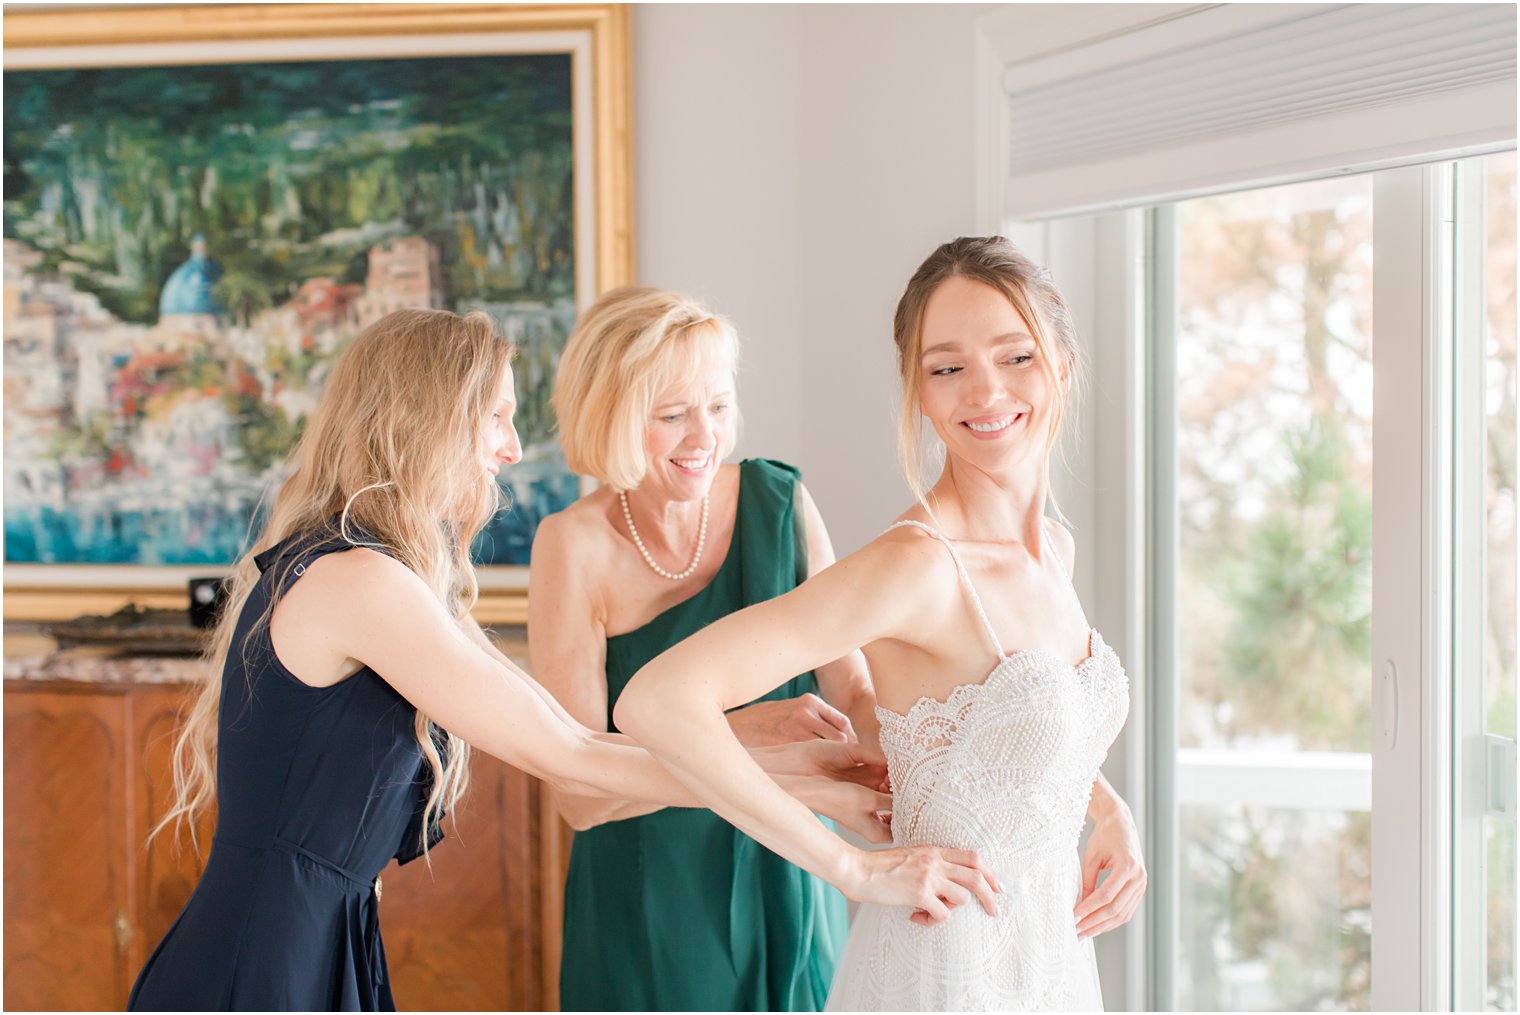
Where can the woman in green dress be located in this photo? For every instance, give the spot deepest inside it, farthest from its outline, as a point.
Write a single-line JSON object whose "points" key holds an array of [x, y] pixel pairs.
{"points": [[667, 908]]}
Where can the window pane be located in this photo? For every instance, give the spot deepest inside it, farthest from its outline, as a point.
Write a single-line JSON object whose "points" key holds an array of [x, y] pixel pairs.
{"points": [[1245, 944], [1499, 561], [1274, 539]]}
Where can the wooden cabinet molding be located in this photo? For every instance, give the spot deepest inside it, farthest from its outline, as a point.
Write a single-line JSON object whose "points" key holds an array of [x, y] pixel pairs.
{"points": [[87, 898]]}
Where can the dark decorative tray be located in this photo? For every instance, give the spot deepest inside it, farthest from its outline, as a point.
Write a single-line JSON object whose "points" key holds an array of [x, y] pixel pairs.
{"points": [[133, 631]]}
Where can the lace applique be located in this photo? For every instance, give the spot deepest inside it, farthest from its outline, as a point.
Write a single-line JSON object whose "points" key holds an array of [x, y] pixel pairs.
{"points": [[1004, 767]]}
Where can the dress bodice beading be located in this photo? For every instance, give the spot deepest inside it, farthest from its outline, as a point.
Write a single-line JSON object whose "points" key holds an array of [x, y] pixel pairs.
{"points": [[1006, 766]]}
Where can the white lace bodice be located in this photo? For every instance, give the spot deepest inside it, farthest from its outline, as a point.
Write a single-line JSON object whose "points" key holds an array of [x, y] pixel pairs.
{"points": [[1004, 766]]}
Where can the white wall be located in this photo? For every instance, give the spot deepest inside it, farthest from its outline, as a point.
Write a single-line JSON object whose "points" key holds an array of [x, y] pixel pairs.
{"points": [[890, 174], [717, 177], [794, 165]]}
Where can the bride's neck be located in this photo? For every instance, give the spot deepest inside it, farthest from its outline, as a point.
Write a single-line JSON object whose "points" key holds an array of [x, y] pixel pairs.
{"points": [[986, 507]]}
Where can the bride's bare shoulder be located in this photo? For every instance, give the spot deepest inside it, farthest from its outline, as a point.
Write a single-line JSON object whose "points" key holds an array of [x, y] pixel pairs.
{"points": [[907, 561]]}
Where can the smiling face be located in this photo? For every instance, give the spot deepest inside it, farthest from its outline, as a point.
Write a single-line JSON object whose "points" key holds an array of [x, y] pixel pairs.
{"points": [[691, 428], [498, 444], [982, 379]]}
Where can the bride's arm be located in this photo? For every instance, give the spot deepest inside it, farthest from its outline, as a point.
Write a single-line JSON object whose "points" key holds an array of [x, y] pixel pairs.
{"points": [[844, 683], [1114, 846], [837, 780], [675, 705]]}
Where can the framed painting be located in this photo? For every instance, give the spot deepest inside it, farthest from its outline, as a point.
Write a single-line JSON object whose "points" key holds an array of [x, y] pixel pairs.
{"points": [[202, 205]]}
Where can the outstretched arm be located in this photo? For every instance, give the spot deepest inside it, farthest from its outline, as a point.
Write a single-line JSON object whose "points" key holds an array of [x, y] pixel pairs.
{"points": [[373, 609], [675, 707], [567, 641], [832, 778], [363, 607]]}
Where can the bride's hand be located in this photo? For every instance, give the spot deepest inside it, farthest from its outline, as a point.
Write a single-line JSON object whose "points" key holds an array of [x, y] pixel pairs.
{"points": [[1114, 846], [931, 879]]}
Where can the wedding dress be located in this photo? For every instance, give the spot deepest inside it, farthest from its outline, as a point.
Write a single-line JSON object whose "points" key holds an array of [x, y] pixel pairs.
{"points": [[1004, 767]]}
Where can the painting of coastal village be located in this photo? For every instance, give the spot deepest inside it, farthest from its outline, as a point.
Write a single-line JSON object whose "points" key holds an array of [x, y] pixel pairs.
{"points": [[187, 250]]}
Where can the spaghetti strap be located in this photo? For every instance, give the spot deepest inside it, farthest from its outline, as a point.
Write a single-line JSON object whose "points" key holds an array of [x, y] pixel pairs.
{"points": [[976, 600]]}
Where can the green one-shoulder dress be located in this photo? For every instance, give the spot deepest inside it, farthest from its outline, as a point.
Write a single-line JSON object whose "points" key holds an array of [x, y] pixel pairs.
{"points": [[678, 910]]}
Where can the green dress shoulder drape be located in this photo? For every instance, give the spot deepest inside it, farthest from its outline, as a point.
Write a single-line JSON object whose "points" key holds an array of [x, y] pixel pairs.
{"points": [[678, 910]]}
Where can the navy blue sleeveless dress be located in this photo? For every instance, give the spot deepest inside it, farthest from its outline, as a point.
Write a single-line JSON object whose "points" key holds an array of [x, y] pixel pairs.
{"points": [[317, 789]]}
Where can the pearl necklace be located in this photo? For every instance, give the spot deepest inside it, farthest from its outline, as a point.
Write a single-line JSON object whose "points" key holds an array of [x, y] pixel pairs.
{"points": [[696, 557]]}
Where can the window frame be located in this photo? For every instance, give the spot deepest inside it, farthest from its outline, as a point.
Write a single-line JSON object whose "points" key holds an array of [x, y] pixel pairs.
{"points": [[1418, 582]]}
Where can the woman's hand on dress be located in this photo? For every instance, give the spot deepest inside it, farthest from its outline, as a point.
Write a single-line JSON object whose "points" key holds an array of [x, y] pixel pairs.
{"points": [[866, 812], [843, 762], [933, 880], [834, 780], [1114, 846], [807, 717]]}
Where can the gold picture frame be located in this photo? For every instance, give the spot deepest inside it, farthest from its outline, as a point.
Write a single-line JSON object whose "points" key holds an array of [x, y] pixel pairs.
{"points": [[597, 38]]}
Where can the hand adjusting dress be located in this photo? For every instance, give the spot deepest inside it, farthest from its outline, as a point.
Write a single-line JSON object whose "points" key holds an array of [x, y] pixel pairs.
{"points": [[317, 789], [678, 910], [1004, 767]]}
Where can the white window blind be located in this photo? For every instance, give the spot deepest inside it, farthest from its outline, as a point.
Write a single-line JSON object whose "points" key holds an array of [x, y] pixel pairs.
{"points": [[1233, 95]]}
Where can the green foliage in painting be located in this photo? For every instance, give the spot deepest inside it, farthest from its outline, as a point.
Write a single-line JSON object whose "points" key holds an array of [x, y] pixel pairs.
{"points": [[292, 171]]}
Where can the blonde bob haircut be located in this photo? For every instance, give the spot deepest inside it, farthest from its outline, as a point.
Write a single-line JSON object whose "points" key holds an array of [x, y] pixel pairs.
{"points": [[390, 455], [627, 348], [996, 263]]}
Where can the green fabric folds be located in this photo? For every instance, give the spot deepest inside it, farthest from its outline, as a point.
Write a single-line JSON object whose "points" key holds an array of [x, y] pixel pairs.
{"points": [[678, 910]]}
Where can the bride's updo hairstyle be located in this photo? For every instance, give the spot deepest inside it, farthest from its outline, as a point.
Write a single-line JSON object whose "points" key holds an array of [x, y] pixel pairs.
{"points": [[994, 262]]}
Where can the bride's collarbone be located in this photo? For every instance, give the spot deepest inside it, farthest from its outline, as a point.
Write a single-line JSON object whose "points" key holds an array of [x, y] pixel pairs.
{"points": [[1029, 607]]}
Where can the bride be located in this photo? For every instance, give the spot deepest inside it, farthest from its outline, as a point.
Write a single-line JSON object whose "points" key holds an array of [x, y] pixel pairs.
{"points": [[989, 750]]}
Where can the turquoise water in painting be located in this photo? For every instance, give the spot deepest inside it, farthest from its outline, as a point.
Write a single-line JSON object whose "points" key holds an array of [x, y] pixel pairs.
{"points": [[216, 535], [201, 535]]}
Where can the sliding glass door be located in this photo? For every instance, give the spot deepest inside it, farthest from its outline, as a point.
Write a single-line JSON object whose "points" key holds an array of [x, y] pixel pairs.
{"points": [[1331, 416]]}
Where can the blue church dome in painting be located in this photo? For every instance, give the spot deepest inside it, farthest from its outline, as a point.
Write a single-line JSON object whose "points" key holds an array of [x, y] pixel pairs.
{"points": [[188, 290]]}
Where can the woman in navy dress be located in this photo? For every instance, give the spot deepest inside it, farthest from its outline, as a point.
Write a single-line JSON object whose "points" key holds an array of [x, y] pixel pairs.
{"points": [[349, 680]]}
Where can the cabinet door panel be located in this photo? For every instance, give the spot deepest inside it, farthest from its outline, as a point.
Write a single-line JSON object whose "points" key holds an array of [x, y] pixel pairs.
{"points": [[67, 882], [463, 935], [169, 864]]}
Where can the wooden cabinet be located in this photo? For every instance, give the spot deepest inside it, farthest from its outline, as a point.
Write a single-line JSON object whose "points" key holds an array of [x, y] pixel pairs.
{"points": [[68, 851], [87, 776]]}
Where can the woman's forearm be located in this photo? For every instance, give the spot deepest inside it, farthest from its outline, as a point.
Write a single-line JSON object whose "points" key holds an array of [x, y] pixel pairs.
{"points": [[698, 746], [846, 684], [602, 766], [584, 812]]}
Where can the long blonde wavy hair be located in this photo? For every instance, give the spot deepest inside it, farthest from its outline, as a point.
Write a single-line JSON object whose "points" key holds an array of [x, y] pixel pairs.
{"points": [[390, 457]]}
